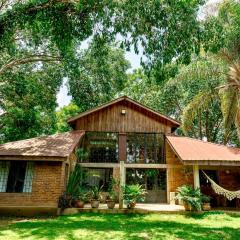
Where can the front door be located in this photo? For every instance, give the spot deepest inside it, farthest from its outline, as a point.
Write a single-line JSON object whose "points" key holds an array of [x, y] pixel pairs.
{"points": [[153, 180]]}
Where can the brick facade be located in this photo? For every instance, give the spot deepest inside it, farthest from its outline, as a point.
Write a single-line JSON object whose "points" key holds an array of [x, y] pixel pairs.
{"points": [[177, 173], [47, 186]]}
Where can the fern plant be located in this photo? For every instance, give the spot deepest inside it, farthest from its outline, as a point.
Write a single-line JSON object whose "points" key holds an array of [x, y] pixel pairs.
{"points": [[191, 196]]}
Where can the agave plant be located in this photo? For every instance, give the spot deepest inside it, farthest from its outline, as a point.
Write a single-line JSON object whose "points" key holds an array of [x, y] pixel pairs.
{"points": [[132, 194], [95, 193]]}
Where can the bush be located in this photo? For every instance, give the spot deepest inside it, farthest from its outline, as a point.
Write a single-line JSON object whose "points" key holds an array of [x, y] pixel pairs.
{"points": [[133, 193], [191, 196], [74, 189]]}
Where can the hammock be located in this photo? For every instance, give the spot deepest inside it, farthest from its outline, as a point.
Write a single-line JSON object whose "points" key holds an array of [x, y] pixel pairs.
{"points": [[230, 195]]}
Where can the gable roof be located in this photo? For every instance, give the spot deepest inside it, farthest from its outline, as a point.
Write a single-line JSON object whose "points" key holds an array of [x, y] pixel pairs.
{"points": [[191, 150], [53, 146], [172, 121]]}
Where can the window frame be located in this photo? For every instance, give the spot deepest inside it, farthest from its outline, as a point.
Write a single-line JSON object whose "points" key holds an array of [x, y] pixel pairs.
{"points": [[15, 178]]}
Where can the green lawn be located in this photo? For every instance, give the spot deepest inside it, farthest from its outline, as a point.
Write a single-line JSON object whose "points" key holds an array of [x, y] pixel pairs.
{"points": [[212, 225]]}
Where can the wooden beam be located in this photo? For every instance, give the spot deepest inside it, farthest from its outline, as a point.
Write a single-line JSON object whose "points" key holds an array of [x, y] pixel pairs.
{"points": [[145, 165], [122, 151], [99, 165]]}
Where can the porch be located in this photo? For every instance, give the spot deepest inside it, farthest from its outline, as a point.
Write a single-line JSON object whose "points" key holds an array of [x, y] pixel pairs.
{"points": [[141, 208]]}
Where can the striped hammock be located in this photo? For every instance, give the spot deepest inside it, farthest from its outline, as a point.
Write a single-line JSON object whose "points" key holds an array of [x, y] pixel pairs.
{"points": [[230, 195]]}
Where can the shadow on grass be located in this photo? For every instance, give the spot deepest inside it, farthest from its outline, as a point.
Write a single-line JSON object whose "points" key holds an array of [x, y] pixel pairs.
{"points": [[108, 226], [202, 215]]}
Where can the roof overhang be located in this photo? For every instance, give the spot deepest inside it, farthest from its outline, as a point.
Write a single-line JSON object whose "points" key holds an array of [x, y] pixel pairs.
{"points": [[57, 147], [211, 150], [33, 158]]}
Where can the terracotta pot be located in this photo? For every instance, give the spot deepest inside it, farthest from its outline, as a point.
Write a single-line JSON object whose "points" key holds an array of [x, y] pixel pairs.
{"points": [[206, 206], [110, 204], [187, 206], [79, 204], [131, 205], [95, 203]]}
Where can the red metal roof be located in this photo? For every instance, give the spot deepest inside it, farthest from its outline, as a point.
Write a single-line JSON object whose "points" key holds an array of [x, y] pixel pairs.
{"points": [[189, 149], [57, 145]]}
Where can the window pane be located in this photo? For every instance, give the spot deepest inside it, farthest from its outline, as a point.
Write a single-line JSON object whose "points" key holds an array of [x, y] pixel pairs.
{"points": [[151, 179], [4, 170], [16, 176], [145, 148], [28, 178], [99, 147], [99, 177]]}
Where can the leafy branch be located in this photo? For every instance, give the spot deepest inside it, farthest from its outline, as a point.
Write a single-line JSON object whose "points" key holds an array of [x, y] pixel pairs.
{"points": [[28, 59]]}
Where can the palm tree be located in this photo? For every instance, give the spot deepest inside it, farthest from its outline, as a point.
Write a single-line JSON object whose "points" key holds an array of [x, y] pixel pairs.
{"points": [[230, 97]]}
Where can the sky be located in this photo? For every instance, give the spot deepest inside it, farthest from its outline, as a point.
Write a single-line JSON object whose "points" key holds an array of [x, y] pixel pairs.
{"points": [[64, 99]]}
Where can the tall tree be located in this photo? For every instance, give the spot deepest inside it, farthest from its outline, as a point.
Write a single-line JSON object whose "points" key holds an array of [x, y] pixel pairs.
{"points": [[63, 114], [165, 29], [102, 74], [28, 101]]}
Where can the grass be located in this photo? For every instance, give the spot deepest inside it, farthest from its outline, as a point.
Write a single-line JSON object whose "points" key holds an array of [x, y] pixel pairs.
{"points": [[206, 226]]}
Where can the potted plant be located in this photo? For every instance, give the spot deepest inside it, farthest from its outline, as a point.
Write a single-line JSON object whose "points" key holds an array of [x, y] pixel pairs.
{"points": [[75, 182], [206, 203], [95, 197], [191, 198], [111, 200], [112, 195], [132, 194], [81, 199]]}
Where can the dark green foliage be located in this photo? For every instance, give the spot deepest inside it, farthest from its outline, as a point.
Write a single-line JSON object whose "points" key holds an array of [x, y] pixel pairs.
{"points": [[95, 193], [113, 186], [75, 188], [191, 196], [64, 114], [102, 74], [133, 193], [28, 100]]}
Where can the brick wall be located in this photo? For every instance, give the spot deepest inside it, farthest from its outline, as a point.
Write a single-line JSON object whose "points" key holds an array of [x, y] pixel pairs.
{"points": [[178, 174], [47, 186]]}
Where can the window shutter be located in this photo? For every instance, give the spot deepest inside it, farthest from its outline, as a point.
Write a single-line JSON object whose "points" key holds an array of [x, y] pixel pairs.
{"points": [[4, 171], [27, 187]]}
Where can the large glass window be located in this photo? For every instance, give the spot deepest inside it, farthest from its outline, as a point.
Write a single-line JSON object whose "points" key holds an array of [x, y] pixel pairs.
{"points": [[99, 177], [150, 179], [16, 176], [145, 148], [99, 147]]}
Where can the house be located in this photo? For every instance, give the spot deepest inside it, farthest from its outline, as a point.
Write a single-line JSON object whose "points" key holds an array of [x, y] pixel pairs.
{"points": [[122, 139]]}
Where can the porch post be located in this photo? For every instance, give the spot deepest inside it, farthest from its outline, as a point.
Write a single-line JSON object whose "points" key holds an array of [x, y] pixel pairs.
{"points": [[122, 183], [196, 176], [122, 159]]}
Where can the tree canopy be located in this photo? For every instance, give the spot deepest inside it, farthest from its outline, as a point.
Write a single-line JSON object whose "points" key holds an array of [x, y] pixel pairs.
{"points": [[190, 66]]}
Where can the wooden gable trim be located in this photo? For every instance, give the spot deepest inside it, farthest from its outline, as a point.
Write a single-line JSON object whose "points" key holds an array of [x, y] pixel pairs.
{"points": [[155, 113]]}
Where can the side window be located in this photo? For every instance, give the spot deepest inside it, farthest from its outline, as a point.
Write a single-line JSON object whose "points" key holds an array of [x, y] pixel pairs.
{"points": [[16, 176], [4, 170]]}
